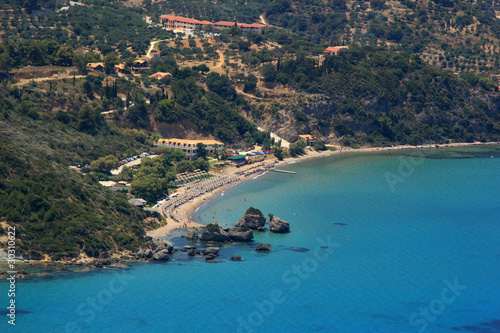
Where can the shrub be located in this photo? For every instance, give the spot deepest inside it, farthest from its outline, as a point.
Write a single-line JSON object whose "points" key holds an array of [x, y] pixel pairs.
{"points": [[253, 211]]}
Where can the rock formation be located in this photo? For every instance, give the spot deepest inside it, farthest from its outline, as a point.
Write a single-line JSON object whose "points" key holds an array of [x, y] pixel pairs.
{"points": [[252, 219], [186, 248], [161, 255], [278, 225], [263, 247], [160, 244], [210, 250], [192, 234], [241, 234], [213, 233]]}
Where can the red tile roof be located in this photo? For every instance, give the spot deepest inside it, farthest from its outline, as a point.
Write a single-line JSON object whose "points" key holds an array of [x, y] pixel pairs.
{"points": [[334, 49], [220, 23], [225, 23]]}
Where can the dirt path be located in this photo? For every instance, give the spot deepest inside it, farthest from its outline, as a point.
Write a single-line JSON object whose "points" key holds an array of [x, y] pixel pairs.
{"points": [[262, 19], [222, 59], [284, 143], [239, 91], [22, 82], [152, 46]]}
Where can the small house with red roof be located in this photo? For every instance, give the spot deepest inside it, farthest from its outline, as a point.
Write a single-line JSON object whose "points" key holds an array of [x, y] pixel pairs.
{"points": [[154, 55], [160, 75], [333, 50]]}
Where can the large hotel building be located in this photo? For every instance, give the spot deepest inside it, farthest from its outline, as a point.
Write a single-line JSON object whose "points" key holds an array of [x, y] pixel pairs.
{"points": [[190, 146], [183, 23]]}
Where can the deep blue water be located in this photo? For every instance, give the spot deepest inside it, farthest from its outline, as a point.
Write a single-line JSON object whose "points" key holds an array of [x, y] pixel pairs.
{"points": [[379, 239]]}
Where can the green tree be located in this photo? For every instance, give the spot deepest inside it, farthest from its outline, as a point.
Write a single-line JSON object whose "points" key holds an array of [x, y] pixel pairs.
{"points": [[110, 60], [297, 148], [184, 166], [221, 85], [202, 150], [318, 145], [269, 72], [64, 56], [6, 62], [90, 119], [104, 164], [201, 164], [167, 111], [202, 68], [278, 153], [250, 83]]}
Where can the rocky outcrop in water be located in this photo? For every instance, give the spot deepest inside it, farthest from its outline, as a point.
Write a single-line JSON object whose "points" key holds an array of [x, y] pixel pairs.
{"points": [[252, 221], [241, 234], [186, 248], [213, 233], [263, 247], [161, 255], [278, 225], [160, 244], [210, 250], [192, 234]]}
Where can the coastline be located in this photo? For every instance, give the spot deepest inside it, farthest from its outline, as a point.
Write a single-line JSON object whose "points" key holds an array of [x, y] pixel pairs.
{"points": [[188, 208], [121, 259]]}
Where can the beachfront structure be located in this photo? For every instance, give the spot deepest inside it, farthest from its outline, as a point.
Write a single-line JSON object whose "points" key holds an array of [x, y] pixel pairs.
{"points": [[190, 147], [334, 50], [182, 23], [239, 160], [308, 139]]}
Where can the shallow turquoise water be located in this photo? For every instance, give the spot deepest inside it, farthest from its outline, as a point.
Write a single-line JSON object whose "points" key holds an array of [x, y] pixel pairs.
{"points": [[385, 236]]}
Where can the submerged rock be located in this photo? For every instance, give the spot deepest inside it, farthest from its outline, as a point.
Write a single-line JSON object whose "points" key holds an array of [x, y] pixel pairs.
{"points": [[186, 248], [192, 252], [299, 249], [236, 258], [278, 225], [263, 247], [210, 250], [210, 257], [241, 234]]}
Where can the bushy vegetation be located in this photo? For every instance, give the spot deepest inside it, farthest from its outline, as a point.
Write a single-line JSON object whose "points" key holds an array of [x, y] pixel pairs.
{"points": [[376, 97], [58, 211], [254, 211], [98, 25], [297, 148], [212, 228]]}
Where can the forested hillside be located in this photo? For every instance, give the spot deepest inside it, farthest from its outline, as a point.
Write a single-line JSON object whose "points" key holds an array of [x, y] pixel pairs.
{"points": [[371, 96], [457, 35], [57, 211], [414, 72]]}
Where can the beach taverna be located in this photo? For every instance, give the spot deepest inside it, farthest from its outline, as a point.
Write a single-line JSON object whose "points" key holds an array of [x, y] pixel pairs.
{"points": [[190, 146], [308, 139]]}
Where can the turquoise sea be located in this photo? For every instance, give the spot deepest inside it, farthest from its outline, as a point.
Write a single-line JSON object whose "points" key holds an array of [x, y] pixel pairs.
{"points": [[406, 241]]}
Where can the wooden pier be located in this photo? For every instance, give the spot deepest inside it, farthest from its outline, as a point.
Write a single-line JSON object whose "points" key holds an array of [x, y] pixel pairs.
{"points": [[283, 171]]}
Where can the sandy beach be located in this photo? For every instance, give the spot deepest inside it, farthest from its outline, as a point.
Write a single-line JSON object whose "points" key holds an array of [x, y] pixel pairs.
{"points": [[183, 212]]}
